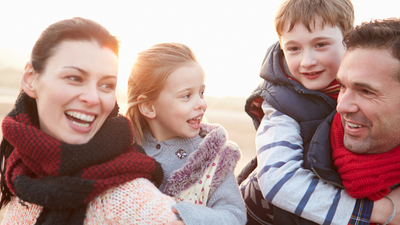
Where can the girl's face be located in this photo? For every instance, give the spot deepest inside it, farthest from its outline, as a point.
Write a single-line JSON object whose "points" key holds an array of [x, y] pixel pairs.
{"points": [[180, 107], [76, 91]]}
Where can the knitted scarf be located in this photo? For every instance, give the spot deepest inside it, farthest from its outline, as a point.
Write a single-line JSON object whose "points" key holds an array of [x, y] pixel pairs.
{"points": [[364, 175], [64, 178]]}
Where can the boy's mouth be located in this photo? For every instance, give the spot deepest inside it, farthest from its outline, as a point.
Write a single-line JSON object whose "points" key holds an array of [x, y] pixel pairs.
{"points": [[80, 119]]}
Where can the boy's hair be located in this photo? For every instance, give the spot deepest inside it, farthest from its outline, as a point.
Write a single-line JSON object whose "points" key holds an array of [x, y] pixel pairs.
{"points": [[338, 13], [149, 72], [376, 34]]}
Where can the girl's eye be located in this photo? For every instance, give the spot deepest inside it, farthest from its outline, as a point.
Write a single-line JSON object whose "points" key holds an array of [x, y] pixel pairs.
{"points": [[187, 95], [202, 94], [293, 49]]}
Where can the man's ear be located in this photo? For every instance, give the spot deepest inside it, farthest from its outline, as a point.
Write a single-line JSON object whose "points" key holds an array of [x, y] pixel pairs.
{"points": [[146, 108], [27, 80]]}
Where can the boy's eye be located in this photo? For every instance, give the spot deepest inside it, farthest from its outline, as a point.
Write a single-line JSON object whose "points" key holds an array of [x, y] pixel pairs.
{"points": [[320, 45]]}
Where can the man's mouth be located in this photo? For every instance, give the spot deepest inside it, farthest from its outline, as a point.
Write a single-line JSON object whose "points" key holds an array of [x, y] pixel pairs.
{"points": [[80, 119], [353, 125]]}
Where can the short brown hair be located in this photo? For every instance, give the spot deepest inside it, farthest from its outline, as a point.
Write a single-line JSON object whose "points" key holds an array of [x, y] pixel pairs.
{"points": [[376, 34], [334, 12]]}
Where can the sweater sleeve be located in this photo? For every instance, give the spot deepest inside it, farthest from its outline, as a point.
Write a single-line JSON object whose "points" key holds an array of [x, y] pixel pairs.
{"points": [[224, 207], [134, 202], [285, 183]]}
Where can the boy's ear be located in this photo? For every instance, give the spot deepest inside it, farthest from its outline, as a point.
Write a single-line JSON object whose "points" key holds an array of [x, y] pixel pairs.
{"points": [[146, 108], [27, 80]]}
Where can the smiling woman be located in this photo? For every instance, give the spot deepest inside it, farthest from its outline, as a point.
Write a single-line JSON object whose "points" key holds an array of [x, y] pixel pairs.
{"points": [[67, 153]]}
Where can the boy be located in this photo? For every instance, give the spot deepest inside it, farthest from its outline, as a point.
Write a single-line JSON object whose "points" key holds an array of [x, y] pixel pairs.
{"points": [[298, 92]]}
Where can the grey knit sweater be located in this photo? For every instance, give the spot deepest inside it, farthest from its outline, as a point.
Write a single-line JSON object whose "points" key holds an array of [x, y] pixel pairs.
{"points": [[225, 205]]}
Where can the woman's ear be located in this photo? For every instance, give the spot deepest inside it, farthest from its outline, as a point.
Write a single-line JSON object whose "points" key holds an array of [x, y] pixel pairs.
{"points": [[27, 80], [146, 108]]}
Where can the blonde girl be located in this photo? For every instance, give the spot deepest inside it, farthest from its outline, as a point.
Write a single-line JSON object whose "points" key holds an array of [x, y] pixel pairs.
{"points": [[166, 106]]}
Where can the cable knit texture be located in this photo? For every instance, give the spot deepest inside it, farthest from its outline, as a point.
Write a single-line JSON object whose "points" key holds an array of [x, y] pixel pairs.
{"points": [[135, 202], [64, 178], [364, 175]]}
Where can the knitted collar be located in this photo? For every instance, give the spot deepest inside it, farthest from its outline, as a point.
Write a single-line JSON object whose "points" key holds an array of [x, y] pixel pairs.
{"points": [[64, 178], [364, 175]]}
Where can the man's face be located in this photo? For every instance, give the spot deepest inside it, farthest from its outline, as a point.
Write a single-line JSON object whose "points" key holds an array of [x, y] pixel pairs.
{"points": [[369, 100]]}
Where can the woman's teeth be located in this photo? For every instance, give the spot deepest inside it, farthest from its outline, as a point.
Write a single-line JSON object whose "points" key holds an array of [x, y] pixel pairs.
{"points": [[80, 119], [81, 116]]}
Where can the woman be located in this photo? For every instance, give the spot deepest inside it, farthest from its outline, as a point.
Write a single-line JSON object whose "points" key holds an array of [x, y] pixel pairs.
{"points": [[68, 156]]}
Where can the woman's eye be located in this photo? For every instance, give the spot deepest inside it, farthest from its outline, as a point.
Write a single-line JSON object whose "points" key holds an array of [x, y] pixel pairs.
{"points": [[108, 86], [75, 78]]}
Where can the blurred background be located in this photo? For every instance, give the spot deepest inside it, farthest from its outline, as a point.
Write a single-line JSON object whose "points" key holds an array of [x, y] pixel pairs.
{"points": [[229, 37]]}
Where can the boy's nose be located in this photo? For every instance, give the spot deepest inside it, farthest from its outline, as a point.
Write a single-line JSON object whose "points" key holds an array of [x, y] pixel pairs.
{"points": [[308, 59]]}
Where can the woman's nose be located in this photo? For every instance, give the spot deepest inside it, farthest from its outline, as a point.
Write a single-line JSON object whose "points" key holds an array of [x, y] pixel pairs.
{"points": [[90, 95]]}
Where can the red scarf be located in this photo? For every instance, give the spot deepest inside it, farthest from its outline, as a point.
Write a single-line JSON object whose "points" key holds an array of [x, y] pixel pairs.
{"points": [[364, 175], [64, 178]]}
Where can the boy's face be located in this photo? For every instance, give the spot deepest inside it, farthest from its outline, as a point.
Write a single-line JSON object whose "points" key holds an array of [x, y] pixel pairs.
{"points": [[313, 57]]}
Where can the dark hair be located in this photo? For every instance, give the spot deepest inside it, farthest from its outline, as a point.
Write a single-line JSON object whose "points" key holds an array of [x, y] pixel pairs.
{"points": [[381, 34], [376, 34], [75, 29]]}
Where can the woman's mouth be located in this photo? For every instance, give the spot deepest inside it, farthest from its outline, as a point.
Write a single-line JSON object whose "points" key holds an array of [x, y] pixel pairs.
{"points": [[80, 119]]}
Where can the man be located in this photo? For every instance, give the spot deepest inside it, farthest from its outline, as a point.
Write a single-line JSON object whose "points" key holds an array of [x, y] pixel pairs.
{"points": [[368, 123]]}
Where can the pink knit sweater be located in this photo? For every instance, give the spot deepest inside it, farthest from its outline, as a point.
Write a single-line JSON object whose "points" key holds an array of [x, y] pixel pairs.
{"points": [[135, 202]]}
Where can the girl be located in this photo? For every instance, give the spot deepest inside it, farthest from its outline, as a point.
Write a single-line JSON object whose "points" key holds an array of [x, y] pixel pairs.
{"points": [[67, 154], [166, 106]]}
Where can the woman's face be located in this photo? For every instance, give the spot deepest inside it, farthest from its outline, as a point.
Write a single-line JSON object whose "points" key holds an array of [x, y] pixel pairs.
{"points": [[76, 91]]}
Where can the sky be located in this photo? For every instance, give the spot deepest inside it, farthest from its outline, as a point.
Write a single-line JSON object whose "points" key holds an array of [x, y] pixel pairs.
{"points": [[229, 37]]}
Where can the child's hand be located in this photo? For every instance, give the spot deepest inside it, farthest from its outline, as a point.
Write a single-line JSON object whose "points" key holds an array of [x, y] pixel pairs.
{"points": [[178, 222]]}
